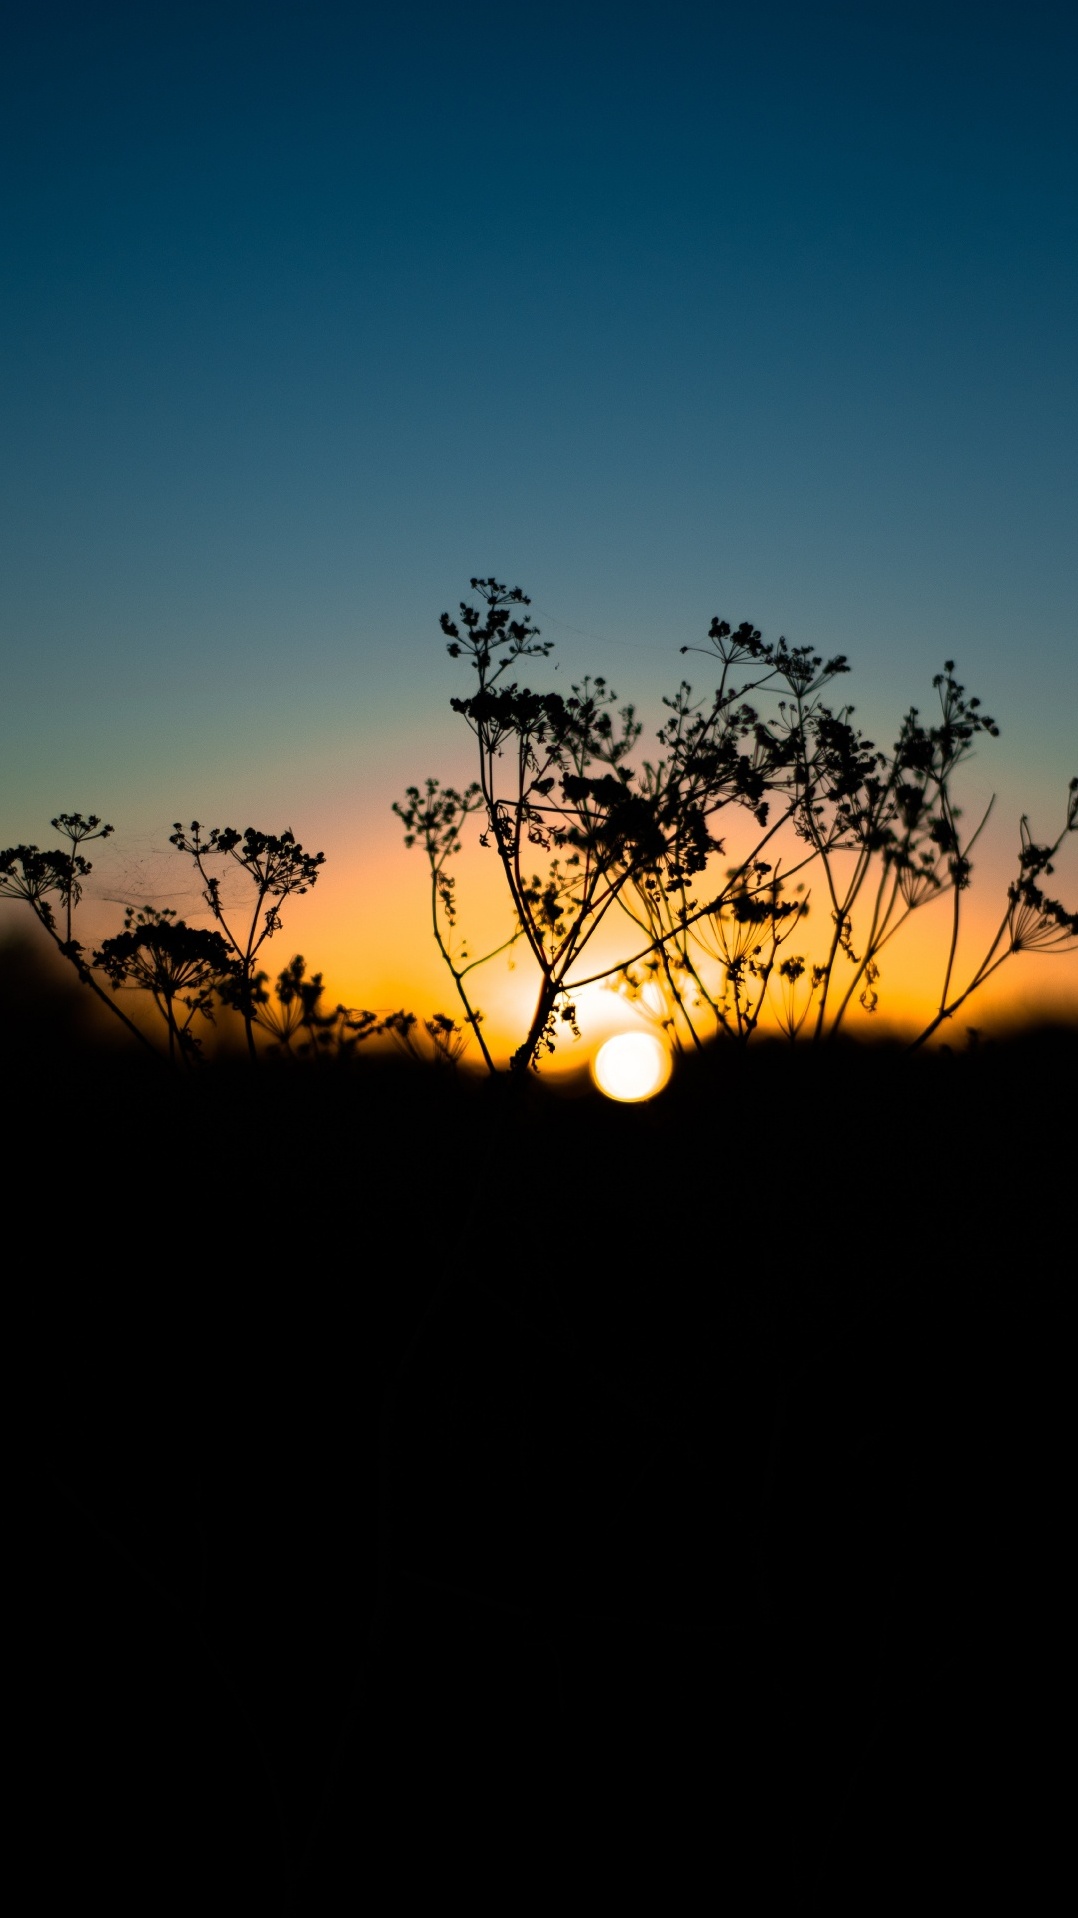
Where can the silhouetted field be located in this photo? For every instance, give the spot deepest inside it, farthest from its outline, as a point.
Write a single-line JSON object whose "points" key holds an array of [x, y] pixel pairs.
{"points": [[431, 1471]]}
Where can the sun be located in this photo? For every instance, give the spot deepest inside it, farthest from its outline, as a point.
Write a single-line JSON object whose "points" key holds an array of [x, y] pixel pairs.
{"points": [[631, 1066]]}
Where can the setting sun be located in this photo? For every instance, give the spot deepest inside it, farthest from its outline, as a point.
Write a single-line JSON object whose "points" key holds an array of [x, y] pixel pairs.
{"points": [[632, 1066]]}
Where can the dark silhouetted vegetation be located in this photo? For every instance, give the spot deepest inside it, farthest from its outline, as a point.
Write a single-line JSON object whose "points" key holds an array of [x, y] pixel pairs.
{"points": [[878, 834], [589, 835], [277, 868], [191, 973], [428, 1461]]}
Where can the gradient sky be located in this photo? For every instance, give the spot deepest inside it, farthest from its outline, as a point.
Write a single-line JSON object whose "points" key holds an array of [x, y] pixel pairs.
{"points": [[310, 313]]}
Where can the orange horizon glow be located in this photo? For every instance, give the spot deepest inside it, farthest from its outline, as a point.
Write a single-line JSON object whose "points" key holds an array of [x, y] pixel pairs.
{"points": [[386, 958], [366, 927]]}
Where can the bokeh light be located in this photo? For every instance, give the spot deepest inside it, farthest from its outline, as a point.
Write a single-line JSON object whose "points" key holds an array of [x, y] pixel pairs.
{"points": [[632, 1066]]}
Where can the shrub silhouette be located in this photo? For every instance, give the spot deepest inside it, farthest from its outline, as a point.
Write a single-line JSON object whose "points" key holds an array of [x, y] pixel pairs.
{"points": [[872, 828]]}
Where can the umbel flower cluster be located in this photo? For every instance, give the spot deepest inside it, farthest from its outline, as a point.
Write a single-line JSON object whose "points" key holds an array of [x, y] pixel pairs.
{"points": [[186, 973], [707, 849], [758, 801]]}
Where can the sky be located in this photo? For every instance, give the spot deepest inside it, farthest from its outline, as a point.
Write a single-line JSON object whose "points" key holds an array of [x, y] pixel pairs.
{"points": [[311, 312]]}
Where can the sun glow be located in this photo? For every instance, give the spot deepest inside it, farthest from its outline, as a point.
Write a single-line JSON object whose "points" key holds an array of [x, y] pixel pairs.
{"points": [[631, 1066]]}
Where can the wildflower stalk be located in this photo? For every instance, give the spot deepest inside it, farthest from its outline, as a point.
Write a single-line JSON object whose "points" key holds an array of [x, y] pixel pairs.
{"points": [[277, 866], [33, 876], [159, 954], [433, 819], [1032, 921], [554, 773]]}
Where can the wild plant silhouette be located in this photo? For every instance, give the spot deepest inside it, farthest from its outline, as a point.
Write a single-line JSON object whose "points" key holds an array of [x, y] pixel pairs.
{"points": [[38, 878], [877, 834], [763, 811], [187, 972], [190, 973], [549, 1410], [277, 868], [181, 967]]}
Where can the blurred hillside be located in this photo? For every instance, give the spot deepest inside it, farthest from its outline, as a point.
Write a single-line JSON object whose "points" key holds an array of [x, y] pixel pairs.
{"points": [[426, 1469]]}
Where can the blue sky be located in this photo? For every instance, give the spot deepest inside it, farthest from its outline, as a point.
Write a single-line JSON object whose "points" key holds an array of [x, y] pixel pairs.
{"points": [[311, 313]]}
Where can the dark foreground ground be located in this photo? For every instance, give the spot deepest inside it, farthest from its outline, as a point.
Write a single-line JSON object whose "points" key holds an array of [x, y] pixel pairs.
{"points": [[439, 1494]]}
